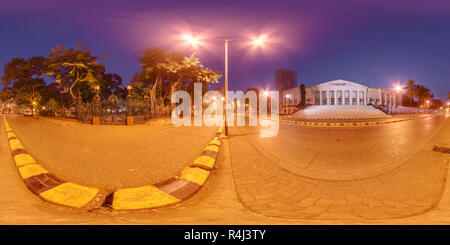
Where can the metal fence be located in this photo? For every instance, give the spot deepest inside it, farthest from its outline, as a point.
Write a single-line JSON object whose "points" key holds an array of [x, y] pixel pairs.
{"points": [[114, 111]]}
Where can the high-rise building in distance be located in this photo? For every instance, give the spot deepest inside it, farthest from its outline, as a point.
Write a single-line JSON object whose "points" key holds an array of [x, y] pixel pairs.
{"points": [[285, 79]]}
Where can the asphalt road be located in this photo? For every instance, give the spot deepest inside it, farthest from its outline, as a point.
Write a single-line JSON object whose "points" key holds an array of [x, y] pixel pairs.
{"points": [[383, 174], [373, 172]]}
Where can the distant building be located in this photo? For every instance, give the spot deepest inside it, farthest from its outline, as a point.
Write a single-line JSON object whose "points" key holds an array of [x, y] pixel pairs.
{"points": [[285, 79], [256, 90], [336, 93]]}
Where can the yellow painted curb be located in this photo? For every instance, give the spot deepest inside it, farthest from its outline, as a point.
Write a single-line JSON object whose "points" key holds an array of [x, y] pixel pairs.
{"points": [[141, 197], [11, 134], [70, 194], [214, 148], [196, 175], [215, 142], [23, 159], [31, 170], [66, 194], [15, 144], [205, 162]]}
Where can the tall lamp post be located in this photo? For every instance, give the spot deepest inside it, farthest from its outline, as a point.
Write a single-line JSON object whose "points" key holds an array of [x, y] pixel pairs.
{"points": [[35, 112], [398, 89], [130, 118], [256, 42]]}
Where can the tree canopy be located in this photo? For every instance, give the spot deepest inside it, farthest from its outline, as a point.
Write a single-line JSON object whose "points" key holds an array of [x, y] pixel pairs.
{"points": [[23, 80], [70, 67]]}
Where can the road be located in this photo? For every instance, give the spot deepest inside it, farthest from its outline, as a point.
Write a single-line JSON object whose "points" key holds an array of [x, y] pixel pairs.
{"points": [[373, 172], [306, 175]]}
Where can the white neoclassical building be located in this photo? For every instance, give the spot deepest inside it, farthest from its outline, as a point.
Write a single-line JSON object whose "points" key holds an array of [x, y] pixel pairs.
{"points": [[337, 93]]}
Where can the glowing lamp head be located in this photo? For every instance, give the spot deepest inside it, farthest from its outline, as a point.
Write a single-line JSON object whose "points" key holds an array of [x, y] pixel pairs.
{"points": [[190, 39], [288, 96], [398, 88], [428, 102], [259, 40], [129, 87], [34, 102]]}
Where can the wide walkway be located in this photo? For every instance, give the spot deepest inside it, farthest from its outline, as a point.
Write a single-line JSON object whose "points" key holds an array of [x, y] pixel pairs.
{"points": [[111, 156], [420, 194]]}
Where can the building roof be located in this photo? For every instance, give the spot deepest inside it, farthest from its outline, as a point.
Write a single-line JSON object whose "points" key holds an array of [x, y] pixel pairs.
{"points": [[339, 82]]}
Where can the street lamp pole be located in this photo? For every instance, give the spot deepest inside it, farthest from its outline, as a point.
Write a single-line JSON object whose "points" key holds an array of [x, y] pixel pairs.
{"points": [[226, 85], [193, 41]]}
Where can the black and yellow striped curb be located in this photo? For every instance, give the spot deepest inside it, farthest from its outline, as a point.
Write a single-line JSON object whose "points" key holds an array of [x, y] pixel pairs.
{"points": [[345, 124], [170, 191], [46, 185], [58, 191], [442, 149]]}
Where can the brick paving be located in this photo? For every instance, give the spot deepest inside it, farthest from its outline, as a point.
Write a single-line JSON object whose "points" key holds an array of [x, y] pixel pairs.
{"points": [[223, 200], [413, 187], [111, 157]]}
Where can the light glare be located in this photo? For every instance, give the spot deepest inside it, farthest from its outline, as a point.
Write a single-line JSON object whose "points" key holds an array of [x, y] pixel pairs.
{"points": [[190, 39]]}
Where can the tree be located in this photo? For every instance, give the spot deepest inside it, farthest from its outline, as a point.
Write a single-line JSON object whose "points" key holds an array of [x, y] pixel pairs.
{"points": [[188, 71], [111, 83], [52, 106], [164, 71], [23, 80], [423, 93], [411, 91], [436, 103], [52, 92], [152, 74], [69, 67], [302, 95]]}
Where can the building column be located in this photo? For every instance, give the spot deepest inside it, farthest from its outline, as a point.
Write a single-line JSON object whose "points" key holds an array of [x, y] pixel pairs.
{"points": [[320, 97], [358, 103], [328, 97], [365, 97], [352, 97]]}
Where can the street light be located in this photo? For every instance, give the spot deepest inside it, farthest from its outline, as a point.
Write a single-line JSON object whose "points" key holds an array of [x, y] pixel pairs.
{"points": [[35, 113], [398, 89], [129, 87], [194, 41], [190, 39], [259, 40]]}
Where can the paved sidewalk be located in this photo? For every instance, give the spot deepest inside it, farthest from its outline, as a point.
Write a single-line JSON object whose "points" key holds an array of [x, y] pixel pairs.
{"points": [[216, 203], [111, 156]]}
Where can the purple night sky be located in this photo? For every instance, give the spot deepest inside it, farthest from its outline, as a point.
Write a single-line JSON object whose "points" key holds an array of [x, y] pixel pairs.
{"points": [[377, 43]]}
